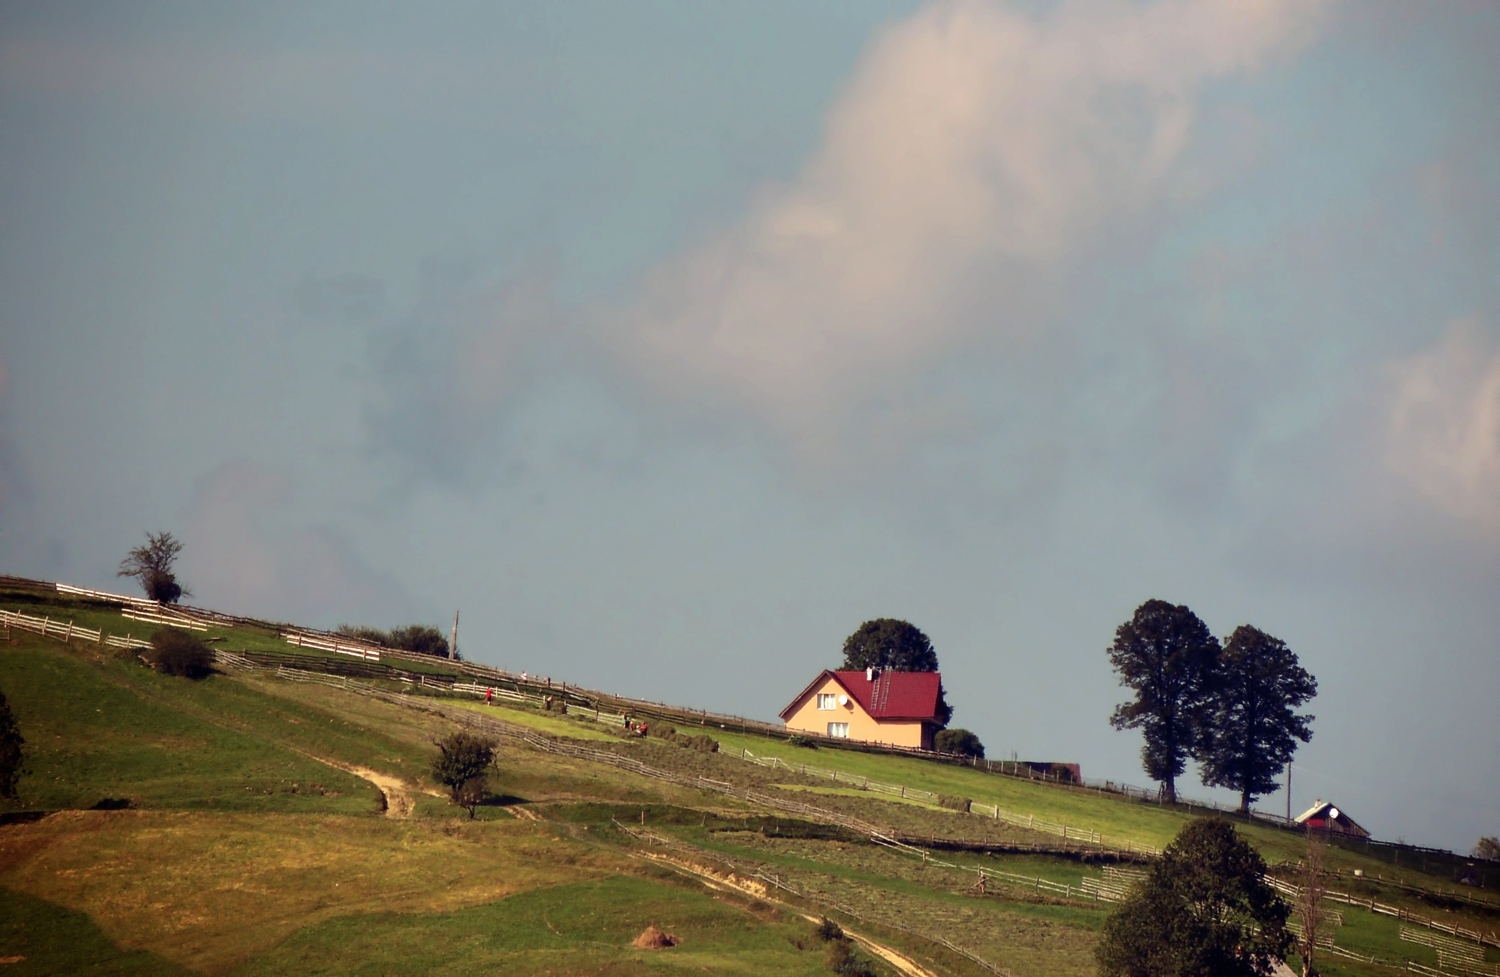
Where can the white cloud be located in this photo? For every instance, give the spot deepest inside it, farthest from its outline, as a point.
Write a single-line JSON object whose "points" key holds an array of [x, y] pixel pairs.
{"points": [[973, 151], [1444, 423]]}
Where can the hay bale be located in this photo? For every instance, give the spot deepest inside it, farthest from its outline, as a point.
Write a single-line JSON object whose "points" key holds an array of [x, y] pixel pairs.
{"points": [[654, 939]]}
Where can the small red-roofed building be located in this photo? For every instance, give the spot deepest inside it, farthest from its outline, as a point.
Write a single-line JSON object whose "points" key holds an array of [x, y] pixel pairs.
{"points": [[895, 708], [1323, 816]]}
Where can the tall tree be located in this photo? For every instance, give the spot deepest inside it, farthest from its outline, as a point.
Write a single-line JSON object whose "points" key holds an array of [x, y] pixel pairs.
{"points": [[11, 742], [1251, 730], [462, 765], [900, 646], [152, 566], [1204, 910], [1168, 656]]}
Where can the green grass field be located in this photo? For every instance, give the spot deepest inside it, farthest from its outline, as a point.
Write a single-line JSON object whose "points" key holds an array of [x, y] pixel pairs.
{"points": [[253, 841]]}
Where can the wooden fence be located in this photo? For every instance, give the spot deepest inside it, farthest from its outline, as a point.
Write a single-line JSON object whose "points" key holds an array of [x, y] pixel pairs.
{"points": [[353, 649], [162, 616], [1405, 915], [105, 595], [47, 627], [1085, 836]]}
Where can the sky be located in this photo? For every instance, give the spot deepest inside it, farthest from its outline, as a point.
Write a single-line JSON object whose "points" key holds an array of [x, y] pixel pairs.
{"points": [[670, 341]]}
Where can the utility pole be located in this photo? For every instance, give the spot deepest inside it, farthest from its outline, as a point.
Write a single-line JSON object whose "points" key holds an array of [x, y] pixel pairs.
{"points": [[453, 641], [1288, 789]]}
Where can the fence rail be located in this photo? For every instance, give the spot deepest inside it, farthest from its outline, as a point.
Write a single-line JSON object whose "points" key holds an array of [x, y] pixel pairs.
{"points": [[72, 591], [162, 617], [302, 639], [48, 627], [1405, 915]]}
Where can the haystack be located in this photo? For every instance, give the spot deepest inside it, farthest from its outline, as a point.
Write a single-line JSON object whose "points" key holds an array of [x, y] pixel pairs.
{"points": [[654, 939]]}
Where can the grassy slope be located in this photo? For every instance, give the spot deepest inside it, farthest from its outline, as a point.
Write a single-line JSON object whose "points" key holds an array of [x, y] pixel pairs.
{"points": [[304, 873]]}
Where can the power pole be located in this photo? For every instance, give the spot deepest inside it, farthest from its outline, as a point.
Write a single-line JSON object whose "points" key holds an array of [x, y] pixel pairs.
{"points": [[1288, 785], [453, 641]]}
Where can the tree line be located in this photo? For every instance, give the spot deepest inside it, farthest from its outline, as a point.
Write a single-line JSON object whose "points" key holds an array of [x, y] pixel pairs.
{"points": [[1230, 706]]}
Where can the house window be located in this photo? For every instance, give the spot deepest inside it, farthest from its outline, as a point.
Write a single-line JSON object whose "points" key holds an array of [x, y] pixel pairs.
{"points": [[827, 700], [840, 730]]}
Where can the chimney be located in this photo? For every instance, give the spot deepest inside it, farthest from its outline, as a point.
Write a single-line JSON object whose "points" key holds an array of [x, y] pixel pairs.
{"points": [[870, 674]]}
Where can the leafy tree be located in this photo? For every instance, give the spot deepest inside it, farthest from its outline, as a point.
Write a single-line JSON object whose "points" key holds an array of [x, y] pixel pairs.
{"points": [[1203, 911], [886, 643], [1251, 730], [176, 652], [462, 765], [421, 638], [152, 566], [11, 742], [470, 794], [1168, 656], [959, 741], [1488, 848]]}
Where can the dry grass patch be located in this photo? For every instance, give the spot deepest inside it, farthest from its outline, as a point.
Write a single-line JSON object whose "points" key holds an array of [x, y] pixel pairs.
{"points": [[210, 890]]}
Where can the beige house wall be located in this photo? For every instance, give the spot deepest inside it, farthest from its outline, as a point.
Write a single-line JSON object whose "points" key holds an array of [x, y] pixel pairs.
{"points": [[808, 718]]}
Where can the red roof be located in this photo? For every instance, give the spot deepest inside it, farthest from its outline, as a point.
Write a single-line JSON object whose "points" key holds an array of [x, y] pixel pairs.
{"points": [[893, 695]]}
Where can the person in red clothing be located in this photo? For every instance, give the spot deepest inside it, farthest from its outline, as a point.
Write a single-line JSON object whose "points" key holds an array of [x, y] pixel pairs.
{"points": [[488, 695]]}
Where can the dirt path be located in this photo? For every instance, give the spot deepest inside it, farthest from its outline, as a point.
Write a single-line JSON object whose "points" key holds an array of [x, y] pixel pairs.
{"points": [[395, 793]]}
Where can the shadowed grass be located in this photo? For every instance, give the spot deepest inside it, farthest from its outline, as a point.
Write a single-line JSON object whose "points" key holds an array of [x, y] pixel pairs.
{"points": [[579, 928], [53, 940]]}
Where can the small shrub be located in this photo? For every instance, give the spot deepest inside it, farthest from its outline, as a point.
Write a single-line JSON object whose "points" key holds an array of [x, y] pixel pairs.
{"points": [[843, 958], [111, 804], [803, 741], [175, 652], [955, 803], [11, 742], [959, 741]]}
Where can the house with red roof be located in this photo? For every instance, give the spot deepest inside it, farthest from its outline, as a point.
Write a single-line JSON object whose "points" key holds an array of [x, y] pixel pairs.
{"points": [[895, 708], [1323, 816]]}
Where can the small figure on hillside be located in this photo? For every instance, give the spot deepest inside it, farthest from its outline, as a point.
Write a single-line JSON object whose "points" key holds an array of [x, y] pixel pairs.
{"points": [[488, 695], [643, 729]]}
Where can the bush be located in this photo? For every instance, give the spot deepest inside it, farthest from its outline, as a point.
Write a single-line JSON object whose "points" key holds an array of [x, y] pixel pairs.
{"points": [[959, 741], [843, 958], [175, 652], [11, 742], [955, 803], [803, 741]]}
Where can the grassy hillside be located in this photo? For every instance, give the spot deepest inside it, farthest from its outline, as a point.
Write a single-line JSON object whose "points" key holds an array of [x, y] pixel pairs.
{"points": [[248, 826]]}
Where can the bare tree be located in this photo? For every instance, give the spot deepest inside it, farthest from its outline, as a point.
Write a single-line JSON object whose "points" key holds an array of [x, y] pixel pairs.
{"points": [[1309, 906], [152, 566]]}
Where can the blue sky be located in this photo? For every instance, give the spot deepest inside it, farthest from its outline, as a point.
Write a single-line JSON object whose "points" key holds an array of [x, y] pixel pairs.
{"points": [[671, 341]]}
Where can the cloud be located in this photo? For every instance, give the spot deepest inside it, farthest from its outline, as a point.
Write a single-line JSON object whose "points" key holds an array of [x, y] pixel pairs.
{"points": [[1443, 427], [447, 373], [975, 152], [234, 561], [311, 84]]}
